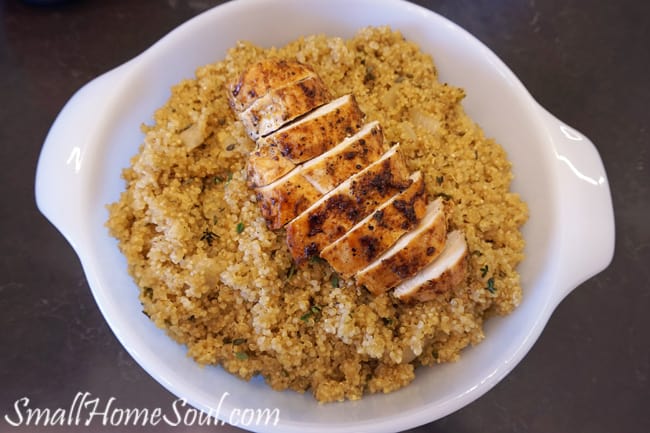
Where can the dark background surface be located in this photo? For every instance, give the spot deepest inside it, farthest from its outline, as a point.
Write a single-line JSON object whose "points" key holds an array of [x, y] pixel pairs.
{"points": [[586, 62]]}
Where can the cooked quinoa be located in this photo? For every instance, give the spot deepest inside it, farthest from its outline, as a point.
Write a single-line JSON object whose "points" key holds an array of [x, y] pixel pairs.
{"points": [[217, 280]]}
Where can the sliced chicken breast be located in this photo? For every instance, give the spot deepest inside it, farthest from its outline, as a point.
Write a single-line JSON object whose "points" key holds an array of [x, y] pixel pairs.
{"points": [[340, 209], [378, 231], [283, 104], [303, 139], [409, 254], [447, 271], [258, 79]]}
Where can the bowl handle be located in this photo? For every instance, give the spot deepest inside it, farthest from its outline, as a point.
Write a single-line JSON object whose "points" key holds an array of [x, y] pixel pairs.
{"points": [[586, 215], [61, 172]]}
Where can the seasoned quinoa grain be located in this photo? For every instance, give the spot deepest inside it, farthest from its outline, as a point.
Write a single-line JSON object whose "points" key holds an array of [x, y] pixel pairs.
{"points": [[217, 280]]}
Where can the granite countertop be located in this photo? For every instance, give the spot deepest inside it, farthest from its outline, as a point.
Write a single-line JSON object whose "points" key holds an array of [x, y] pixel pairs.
{"points": [[586, 62]]}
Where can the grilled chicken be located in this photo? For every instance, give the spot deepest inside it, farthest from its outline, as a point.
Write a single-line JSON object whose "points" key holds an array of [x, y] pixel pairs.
{"points": [[263, 76], [378, 231], [346, 159], [284, 199], [336, 212], [447, 271], [281, 105], [409, 254], [302, 140], [337, 190]]}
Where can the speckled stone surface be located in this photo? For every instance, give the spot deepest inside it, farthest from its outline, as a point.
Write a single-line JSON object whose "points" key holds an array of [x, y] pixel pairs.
{"points": [[586, 62]]}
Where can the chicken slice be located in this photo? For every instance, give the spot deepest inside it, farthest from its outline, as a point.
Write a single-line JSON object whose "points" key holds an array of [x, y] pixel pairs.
{"points": [[337, 211], [281, 105], [307, 137], [347, 158], [409, 254], [378, 231], [445, 272], [284, 199], [257, 80], [287, 197]]}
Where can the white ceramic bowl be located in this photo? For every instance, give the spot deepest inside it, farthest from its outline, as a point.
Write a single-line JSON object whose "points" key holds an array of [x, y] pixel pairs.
{"points": [[570, 234]]}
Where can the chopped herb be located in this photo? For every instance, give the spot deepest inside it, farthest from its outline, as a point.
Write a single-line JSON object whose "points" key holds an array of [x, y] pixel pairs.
{"points": [[439, 179], [335, 280], [490, 285], [369, 75], [484, 271], [316, 259], [148, 292], [146, 314], [285, 373], [230, 147], [238, 341], [387, 321], [291, 272], [240, 227], [242, 356], [208, 236], [214, 220], [217, 180], [314, 312], [229, 178], [227, 340]]}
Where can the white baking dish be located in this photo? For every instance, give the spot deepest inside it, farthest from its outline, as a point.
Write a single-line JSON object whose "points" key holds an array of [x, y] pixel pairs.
{"points": [[558, 172]]}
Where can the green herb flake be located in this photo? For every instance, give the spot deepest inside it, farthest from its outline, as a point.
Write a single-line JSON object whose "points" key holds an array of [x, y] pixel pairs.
{"points": [[242, 356], [148, 292], [388, 321], [240, 227], [238, 341], [316, 259], [217, 180], [490, 285], [291, 272], [227, 340], [484, 271], [146, 314], [334, 280], [315, 309], [306, 316], [440, 179], [229, 178]]}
